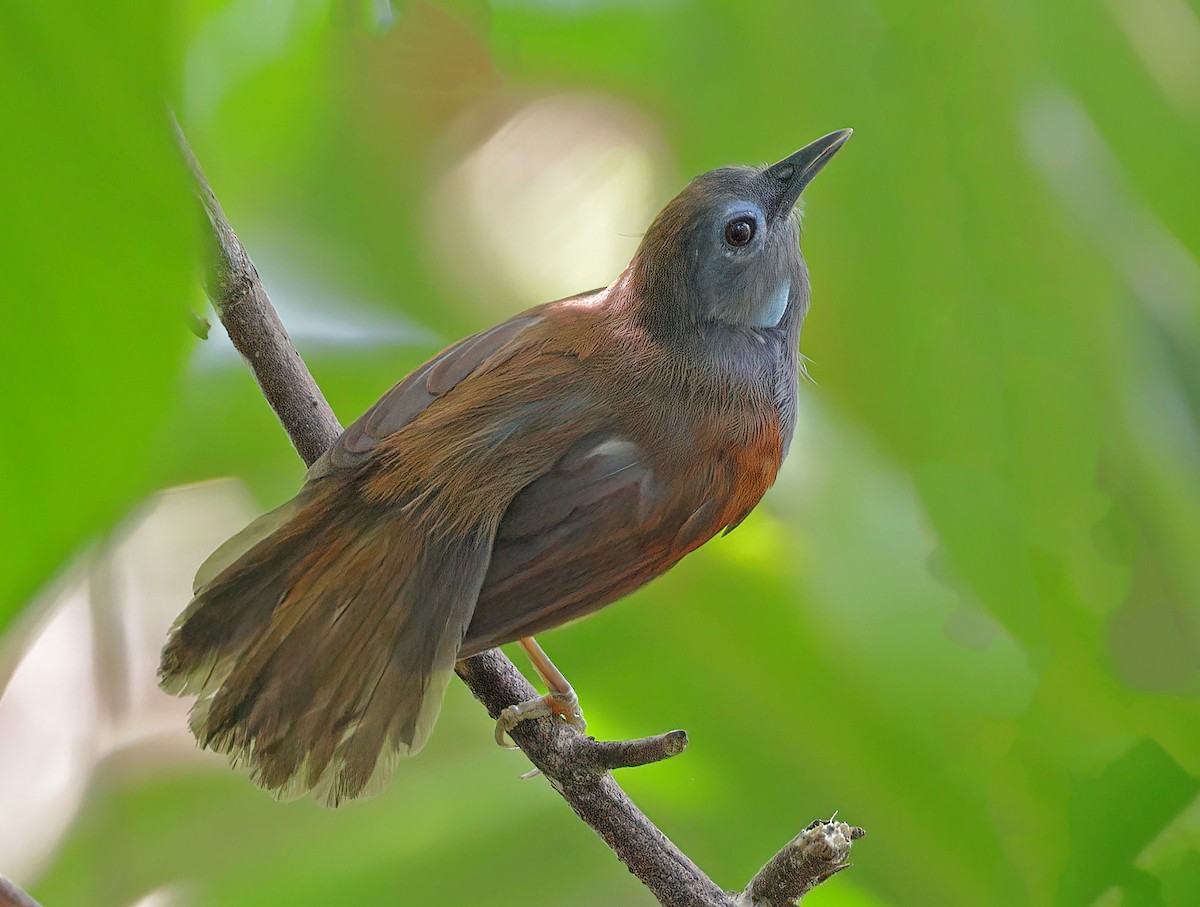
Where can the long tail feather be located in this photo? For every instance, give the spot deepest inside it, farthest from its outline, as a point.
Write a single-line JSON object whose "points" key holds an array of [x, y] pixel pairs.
{"points": [[320, 654]]}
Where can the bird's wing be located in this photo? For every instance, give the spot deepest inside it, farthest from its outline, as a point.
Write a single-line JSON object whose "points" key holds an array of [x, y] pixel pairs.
{"points": [[410, 397], [395, 409], [597, 525]]}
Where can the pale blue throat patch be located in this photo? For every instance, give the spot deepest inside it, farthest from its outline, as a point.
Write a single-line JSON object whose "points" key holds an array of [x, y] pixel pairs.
{"points": [[773, 307]]}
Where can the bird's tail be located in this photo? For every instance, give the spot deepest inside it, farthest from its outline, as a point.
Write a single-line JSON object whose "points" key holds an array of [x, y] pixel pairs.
{"points": [[321, 638]]}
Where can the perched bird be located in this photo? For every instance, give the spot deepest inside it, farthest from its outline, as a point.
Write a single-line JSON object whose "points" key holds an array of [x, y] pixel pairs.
{"points": [[522, 478]]}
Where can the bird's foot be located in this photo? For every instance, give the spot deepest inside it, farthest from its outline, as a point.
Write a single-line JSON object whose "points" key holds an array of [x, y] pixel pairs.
{"points": [[564, 705]]}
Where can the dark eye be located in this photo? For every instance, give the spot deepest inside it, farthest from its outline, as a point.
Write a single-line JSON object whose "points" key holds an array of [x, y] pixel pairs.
{"points": [[739, 231]]}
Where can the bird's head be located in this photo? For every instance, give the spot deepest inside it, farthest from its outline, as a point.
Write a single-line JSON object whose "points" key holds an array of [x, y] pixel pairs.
{"points": [[726, 252]]}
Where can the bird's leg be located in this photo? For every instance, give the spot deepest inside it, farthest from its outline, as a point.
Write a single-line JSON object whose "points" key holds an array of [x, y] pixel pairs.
{"points": [[560, 699]]}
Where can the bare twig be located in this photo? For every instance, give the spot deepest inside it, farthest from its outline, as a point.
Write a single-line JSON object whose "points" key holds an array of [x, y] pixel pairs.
{"points": [[12, 896], [237, 293], [817, 853], [578, 767], [630, 753]]}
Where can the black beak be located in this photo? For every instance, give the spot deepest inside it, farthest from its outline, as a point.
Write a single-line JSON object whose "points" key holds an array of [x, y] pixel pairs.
{"points": [[796, 171]]}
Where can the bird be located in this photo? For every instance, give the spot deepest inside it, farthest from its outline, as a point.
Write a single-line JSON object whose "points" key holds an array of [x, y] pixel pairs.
{"points": [[522, 478]]}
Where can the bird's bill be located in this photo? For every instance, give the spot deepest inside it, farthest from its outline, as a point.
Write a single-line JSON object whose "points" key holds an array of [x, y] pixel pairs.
{"points": [[797, 170]]}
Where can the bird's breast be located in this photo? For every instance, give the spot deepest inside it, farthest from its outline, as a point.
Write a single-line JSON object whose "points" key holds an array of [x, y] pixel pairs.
{"points": [[742, 466], [705, 413]]}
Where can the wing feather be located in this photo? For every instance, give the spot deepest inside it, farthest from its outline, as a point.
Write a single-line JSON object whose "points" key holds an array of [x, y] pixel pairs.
{"points": [[409, 398], [594, 527]]}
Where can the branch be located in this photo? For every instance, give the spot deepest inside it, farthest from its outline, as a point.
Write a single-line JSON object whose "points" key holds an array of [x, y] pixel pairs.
{"points": [[12, 896], [237, 293], [578, 767], [818, 852]]}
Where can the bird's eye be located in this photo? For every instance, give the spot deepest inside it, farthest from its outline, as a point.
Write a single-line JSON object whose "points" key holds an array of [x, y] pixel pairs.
{"points": [[739, 231]]}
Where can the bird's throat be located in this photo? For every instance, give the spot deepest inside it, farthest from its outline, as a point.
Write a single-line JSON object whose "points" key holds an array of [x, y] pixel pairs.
{"points": [[769, 312]]}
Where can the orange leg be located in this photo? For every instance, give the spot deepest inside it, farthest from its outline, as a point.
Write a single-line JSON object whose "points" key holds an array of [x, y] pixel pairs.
{"points": [[560, 700]]}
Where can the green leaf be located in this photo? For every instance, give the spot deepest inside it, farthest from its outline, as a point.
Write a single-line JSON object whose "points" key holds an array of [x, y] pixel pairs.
{"points": [[1114, 816], [96, 270]]}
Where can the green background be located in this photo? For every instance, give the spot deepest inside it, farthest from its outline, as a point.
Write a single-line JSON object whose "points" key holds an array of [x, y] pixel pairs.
{"points": [[968, 616]]}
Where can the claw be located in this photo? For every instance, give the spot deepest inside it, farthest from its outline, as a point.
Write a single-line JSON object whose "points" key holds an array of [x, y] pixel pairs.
{"points": [[564, 705]]}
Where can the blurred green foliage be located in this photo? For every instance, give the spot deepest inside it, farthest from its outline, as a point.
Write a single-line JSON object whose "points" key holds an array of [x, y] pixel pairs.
{"points": [[97, 235], [968, 617]]}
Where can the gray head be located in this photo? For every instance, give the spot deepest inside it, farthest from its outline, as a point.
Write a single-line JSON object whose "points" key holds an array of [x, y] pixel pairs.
{"points": [[726, 250]]}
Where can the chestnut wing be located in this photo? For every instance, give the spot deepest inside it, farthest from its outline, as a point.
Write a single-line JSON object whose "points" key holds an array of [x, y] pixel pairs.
{"points": [[595, 527], [404, 402]]}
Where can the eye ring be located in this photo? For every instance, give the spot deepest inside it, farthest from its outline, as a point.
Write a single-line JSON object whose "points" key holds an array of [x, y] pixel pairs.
{"points": [[740, 230]]}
